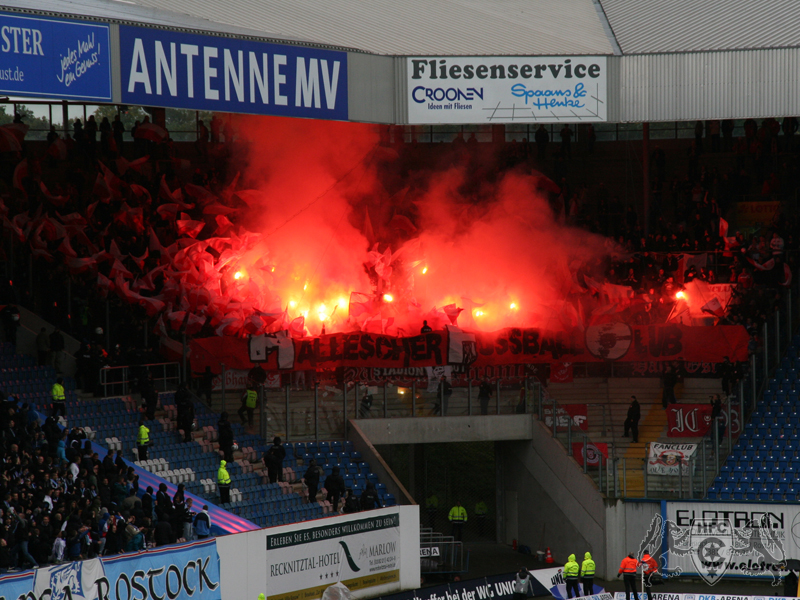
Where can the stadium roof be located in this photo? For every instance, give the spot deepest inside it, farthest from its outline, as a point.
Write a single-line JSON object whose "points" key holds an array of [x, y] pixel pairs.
{"points": [[418, 27], [650, 26], [468, 27]]}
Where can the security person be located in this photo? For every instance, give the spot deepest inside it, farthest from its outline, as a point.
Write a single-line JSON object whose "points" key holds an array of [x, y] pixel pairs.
{"points": [[59, 398], [224, 484], [458, 516], [142, 440], [481, 510], [587, 574], [571, 577], [627, 568], [249, 401]]}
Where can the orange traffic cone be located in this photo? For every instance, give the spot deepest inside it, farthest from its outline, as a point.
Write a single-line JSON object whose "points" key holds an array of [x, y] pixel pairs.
{"points": [[548, 557]]}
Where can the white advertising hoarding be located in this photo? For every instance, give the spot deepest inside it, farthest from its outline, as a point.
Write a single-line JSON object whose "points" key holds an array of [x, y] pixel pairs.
{"points": [[372, 553], [506, 89], [717, 539]]}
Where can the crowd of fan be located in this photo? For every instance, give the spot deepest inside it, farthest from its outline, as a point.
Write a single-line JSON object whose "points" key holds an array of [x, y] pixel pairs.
{"points": [[697, 195], [61, 501]]}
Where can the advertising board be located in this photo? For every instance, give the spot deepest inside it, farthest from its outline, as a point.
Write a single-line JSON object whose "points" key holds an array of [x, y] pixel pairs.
{"points": [[506, 89], [54, 58]]}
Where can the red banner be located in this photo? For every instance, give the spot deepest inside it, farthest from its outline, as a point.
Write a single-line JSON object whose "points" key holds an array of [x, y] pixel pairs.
{"points": [[607, 342], [593, 453], [561, 372], [566, 412], [694, 420]]}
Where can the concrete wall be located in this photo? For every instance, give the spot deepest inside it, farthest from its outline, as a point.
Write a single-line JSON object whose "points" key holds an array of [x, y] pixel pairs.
{"points": [[627, 524], [548, 501], [432, 430], [368, 453]]}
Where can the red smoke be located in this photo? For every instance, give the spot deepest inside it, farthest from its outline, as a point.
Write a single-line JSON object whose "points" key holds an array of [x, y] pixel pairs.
{"points": [[340, 213]]}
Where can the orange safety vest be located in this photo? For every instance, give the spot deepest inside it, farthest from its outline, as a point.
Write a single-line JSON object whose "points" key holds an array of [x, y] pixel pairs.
{"points": [[628, 565]]}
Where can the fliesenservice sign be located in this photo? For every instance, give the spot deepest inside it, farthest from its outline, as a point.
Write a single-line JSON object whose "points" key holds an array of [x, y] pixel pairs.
{"points": [[506, 89]]}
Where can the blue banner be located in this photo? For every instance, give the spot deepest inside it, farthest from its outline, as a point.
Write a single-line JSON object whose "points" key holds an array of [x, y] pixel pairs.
{"points": [[55, 59], [182, 70], [181, 572]]}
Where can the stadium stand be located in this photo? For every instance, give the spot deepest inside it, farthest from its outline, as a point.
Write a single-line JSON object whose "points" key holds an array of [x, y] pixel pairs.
{"points": [[764, 463], [112, 422]]}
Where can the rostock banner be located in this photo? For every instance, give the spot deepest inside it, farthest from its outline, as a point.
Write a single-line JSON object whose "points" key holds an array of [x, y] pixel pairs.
{"points": [[178, 572]]}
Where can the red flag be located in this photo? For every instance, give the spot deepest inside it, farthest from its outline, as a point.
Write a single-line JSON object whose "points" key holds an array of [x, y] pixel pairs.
{"points": [[369, 233], [194, 323], [153, 306], [115, 184], [404, 223], [713, 307], [142, 193], [58, 149], [218, 209], [14, 227], [20, 173], [723, 227], [138, 164], [8, 141], [360, 304], [297, 327], [104, 283], [593, 453], [66, 248], [18, 130], [200, 193], [223, 224], [139, 260], [80, 265], [452, 312], [150, 132], [561, 372], [188, 227], [119, 269], [101, 189]]}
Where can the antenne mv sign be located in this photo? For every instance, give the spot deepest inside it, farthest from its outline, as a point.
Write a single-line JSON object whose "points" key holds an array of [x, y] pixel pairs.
{"points": [[506, 89]]}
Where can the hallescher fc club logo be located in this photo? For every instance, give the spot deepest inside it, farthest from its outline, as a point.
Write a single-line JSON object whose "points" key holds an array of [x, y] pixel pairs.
{"points": [[713, 546]]}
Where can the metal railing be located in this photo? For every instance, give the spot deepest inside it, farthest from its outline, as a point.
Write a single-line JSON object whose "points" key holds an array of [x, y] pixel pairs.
{"points": [[441, 553], [120, 381]]}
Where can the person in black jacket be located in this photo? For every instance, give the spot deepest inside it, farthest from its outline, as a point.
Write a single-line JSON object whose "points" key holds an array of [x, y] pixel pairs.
{"points": [[334, 484], [351, 503], [163, 533], [225, 432], [273, 460], [632, 422], [484, 395], [185, 411], [369, 498], [311, 477]]}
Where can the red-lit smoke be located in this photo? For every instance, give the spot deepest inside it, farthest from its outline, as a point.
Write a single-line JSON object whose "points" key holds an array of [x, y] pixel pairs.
{"points": [[341, 213]]}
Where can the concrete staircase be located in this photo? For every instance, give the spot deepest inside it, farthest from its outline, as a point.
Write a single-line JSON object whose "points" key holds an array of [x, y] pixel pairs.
{"points": [[608, 401]]}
